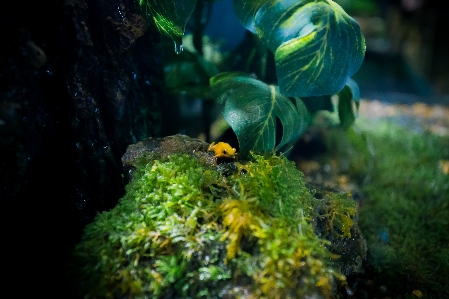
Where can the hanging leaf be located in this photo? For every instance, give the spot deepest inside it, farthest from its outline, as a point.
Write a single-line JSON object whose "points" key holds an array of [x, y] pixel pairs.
{"points": [[302, 106], [317, 46], [252, 109], [170, 16], [348, 103]]}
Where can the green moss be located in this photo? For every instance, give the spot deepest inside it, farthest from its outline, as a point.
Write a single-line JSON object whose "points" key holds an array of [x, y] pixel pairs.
{"points": [[184, 230], [339, 211], [278, 186], [405, 211]]}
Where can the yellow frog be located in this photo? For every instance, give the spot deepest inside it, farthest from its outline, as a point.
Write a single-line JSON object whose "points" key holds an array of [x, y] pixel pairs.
{"points": [[222, 150]]}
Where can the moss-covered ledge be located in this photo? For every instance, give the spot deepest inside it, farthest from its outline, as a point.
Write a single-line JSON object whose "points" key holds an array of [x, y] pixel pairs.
{"points": [[189, 229]]}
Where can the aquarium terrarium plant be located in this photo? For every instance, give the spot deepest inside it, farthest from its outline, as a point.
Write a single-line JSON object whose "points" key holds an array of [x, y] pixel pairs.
{"points": [[189, 227], [316, 49]]}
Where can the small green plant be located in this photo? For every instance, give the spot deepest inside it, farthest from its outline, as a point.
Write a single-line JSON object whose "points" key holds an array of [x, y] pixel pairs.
{"points": [[317, 47]]}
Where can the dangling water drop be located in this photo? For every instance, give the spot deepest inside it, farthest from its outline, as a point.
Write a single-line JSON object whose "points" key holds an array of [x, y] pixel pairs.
{"points": [[178, 47]]}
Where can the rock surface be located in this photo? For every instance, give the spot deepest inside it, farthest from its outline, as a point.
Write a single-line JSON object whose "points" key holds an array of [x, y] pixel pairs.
{"points": [[159, 148]]}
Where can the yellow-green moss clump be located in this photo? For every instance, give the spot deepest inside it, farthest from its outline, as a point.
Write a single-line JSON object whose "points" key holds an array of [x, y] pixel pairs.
{"points": [[185, 230]]}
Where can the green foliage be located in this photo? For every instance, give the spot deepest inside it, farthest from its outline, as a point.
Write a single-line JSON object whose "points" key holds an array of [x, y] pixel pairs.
{"points": [[290, 255], [405, 212], [183, 230], [316, 46], [278, 186], [251, 109], [339, 210], [190, 75], [170, 16], [131, 249]]}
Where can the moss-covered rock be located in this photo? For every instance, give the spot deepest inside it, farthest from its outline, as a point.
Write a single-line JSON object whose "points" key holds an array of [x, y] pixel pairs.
{"points": [[188, 229]]}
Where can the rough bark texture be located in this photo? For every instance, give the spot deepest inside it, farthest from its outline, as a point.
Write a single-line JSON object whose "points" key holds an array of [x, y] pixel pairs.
{"points": [[79, 81]]}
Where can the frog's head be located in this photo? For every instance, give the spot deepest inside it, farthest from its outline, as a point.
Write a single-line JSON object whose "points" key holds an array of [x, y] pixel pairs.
{"points": [[227, 150], [222, 150]]}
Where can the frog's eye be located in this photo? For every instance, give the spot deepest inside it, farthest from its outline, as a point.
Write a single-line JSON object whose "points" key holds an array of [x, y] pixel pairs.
{"points": [[224, 152]]}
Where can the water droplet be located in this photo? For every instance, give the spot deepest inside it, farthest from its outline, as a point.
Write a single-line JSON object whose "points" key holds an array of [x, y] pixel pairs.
{"points": [[178, 47]]}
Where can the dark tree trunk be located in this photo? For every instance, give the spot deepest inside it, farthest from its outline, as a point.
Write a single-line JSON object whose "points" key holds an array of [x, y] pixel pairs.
{"points": [[79, 81]]}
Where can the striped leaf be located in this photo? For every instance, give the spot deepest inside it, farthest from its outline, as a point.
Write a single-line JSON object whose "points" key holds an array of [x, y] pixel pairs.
{"points": [[317, 46], [170, 16], [252, 108]]}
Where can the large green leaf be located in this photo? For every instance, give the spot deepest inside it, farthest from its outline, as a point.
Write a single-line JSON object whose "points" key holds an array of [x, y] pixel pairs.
{"points": [[170, 16], [317, 45], [251, 108]]}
